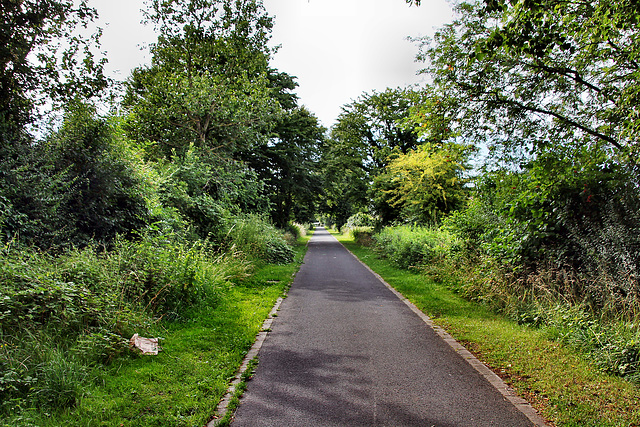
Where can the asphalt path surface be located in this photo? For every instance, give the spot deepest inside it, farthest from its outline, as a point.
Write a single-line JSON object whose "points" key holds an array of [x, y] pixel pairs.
{"points": [[345, 351]]}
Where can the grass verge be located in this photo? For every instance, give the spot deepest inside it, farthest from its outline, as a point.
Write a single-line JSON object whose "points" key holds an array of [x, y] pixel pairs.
{"points": [[181, 386], [560, 384]]}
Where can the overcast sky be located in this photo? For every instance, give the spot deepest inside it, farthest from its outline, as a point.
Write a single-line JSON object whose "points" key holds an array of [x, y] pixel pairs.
{"points": [[338, 49]]}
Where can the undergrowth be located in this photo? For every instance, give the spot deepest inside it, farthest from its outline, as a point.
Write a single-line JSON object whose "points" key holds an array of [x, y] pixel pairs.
{"points": [[550, 299], [65, 318]]}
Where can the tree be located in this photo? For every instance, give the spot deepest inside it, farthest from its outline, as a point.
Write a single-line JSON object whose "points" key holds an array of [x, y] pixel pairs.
{"points": [[208, 82], [552, 88], [103, 198], [372, 128], [287, 165], [367, 132], [426, 183], [73, 188], [44, 64], [533, 74], [42, 59]]}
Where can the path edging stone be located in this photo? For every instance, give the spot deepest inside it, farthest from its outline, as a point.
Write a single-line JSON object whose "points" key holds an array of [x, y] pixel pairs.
{"points": [[223, 405]]}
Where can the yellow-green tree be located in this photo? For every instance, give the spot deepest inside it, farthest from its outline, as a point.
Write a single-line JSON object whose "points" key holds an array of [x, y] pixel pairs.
{"points": [[426, 183]]}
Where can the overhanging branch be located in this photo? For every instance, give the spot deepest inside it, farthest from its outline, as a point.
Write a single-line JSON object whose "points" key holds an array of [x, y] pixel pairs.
{"points": [[562, 118]]}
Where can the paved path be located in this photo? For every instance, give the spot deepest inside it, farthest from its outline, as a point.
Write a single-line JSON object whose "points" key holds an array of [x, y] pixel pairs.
{"points": [[345, 351]]}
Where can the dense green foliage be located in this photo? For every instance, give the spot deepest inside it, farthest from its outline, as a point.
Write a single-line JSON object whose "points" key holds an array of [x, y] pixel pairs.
{"points": [[287, 164], [544, 228], [367, 132], [80, 308], [393, 155], [147, 219], [546, 87], [109, 223]]}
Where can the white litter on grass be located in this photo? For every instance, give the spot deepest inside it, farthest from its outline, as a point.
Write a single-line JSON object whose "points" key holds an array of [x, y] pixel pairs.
{"points": [[145, 345]]}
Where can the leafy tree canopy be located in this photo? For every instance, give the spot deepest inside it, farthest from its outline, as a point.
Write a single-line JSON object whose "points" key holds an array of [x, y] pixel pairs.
{"points": [[367, 132], [426, 183], [287, 163], [371, 127], [43, 60], [529, 75], [208, 83]]}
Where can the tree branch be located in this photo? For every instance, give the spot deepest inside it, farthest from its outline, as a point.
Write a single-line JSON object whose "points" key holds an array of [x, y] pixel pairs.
{"points": [[567, 72], [562, 118], [622, 53]]}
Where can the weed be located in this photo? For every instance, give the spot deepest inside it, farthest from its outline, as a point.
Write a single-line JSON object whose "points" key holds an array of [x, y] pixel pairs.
{"points": [[62, 380], [254, 236]]}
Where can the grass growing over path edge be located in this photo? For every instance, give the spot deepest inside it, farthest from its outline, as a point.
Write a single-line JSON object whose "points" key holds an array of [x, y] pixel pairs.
{"points": [[562, 386]]}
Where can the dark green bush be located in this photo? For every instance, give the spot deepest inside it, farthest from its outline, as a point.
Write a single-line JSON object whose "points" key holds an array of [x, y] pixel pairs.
{"points": [[204, 191], [72, 189]]}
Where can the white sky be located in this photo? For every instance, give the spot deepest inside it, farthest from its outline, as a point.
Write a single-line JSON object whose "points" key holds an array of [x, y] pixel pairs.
{"points": [[338, 49]]}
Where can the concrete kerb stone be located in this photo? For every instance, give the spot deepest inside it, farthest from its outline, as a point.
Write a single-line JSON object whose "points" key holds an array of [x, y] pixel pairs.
{"points": [[223, 405]]}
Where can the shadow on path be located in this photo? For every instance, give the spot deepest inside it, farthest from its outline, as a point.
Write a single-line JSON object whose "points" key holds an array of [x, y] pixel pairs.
{"points": [[345, 351]]}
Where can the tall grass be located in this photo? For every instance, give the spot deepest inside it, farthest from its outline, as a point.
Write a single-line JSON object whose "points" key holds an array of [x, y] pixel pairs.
{"points": [[256, 237], [414, 246], [62, 317], [552, 299]]}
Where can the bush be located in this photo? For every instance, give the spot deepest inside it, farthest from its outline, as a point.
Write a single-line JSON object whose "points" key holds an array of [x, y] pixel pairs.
{"points": [[360, 219], [256, 237], [413, 247], [205, 191], [362, 235], [475, 225], [62, 316], [72, 189]]}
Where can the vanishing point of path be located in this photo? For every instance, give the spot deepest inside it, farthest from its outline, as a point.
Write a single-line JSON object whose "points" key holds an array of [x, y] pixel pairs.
{"points": [[346, 351]]}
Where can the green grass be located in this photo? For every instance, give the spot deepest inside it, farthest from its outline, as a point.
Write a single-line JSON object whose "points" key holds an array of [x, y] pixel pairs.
{"points": [[558, 382], [182, 385]]}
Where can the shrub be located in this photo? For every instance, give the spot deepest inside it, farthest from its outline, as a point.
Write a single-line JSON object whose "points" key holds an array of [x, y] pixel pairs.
{"points": [[362, 235], [255, 236], [73, 188], [475, 225], [413, 247], [60, 316], [361, 219], [205, 191]]}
